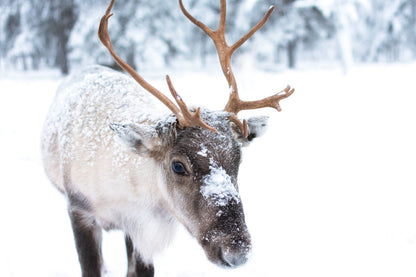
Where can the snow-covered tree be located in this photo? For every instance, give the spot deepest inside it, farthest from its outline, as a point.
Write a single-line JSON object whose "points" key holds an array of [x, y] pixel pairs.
{"points": [[154, 33], [37, 31], [294, 23]]}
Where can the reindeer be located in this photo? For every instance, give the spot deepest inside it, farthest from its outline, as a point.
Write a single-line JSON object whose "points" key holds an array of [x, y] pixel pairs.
{"points": [[124, 165]]}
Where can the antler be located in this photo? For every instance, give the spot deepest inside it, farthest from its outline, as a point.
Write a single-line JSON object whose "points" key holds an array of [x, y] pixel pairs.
{"points": [[235, 104], [184, 116]]}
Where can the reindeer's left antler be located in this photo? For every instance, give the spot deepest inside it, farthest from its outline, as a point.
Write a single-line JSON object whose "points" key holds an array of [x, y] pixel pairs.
{"points": [[235, 104], [184, 116]]}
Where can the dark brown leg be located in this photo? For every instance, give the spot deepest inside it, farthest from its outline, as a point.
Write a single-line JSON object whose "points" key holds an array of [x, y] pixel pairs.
{"points": [[137, 268], [87, 235]]}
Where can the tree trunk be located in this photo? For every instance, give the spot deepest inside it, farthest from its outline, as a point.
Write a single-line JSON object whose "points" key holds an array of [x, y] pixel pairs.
{"points": [[62, 31], [413, 30], [291, 53], [62, 54]]}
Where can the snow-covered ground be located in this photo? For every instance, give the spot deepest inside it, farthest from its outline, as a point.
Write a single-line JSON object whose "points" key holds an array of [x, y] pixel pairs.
{"points": [[330, 190]]}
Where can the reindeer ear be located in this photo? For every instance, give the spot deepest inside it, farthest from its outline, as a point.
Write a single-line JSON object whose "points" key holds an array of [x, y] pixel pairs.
{"points": [[140, 138], [256, 126]]}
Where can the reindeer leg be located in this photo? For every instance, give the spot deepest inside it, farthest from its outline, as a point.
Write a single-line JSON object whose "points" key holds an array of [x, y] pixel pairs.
{"points": [[87, 235], [137, 268]]}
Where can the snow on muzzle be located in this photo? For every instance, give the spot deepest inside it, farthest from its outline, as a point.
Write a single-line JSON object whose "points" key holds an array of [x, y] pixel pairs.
{"points": [[226, 241], [225, 249]]}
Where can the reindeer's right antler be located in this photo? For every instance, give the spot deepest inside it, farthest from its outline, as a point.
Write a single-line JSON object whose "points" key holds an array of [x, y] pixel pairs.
{"points": [[184, 116], [235, 104]]}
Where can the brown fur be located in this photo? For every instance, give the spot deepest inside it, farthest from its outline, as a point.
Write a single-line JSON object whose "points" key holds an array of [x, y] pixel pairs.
{"points": [[116, 167]]}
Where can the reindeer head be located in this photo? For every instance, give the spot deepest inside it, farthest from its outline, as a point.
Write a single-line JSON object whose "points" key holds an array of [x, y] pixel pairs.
{"points": [[199, 152], [198, 172]]}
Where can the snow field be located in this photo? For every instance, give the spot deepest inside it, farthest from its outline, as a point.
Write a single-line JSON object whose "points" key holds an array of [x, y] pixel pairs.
{"points": [[329, 190]]}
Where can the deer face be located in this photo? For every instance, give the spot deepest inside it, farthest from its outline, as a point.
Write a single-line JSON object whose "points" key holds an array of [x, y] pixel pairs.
{"points": [[198, 172]]}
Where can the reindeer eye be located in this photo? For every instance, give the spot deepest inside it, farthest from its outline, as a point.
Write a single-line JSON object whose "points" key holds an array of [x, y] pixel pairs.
{"points": [[178, 168]]}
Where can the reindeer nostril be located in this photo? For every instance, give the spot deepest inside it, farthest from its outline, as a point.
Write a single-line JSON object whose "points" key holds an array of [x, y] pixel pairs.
{"points": [[204, 241]]}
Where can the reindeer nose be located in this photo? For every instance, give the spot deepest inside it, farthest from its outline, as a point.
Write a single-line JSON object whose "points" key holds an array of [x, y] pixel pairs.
{"points": [[235, 257], [227, 251], [237, 251]]}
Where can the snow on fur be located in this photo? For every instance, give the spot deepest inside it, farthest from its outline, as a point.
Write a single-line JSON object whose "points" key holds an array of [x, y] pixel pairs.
{"points": [[99, 92], [219, 187]]}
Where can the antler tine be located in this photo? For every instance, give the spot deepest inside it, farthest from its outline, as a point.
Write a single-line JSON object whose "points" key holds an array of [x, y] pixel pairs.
{"points": [[190, 119], [105, 39], [253, 30], [241, 125], [235, 104], [271, 102], [198, 23], [224, 51], [223, 17], [184, 116], [218, 37]]}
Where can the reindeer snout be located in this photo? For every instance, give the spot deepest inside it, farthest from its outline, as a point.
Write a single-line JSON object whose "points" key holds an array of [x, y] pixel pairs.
{"points": [[233, 257], [227, 250]]}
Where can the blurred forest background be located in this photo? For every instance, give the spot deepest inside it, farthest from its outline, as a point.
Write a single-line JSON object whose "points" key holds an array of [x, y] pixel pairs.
{"points": [[38, 34]]}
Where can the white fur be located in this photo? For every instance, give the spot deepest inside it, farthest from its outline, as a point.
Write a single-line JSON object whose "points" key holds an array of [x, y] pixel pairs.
{"points": [[257, 125], [81, 153]]}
